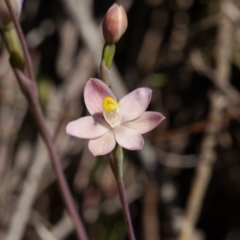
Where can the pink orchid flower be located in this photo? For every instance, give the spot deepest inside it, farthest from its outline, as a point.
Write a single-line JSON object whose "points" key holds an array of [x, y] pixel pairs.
{"points": [[111, 121]]}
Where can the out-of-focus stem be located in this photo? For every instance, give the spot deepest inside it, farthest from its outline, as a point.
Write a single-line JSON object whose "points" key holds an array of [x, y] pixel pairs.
{"points": [[29, 89], [39, 118], [208, 156], [29, 92]]}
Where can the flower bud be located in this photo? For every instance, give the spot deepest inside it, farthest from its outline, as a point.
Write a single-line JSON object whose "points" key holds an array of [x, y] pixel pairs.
{"points": [[114, 24], [5, 17]]}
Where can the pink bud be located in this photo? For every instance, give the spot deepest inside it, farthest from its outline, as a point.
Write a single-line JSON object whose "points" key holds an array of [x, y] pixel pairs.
{"points": [[5, 17], [114, 24]]}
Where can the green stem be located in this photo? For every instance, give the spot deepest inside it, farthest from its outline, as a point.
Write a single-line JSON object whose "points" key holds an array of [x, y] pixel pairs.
{"points": [[107, 60], [108, 54]]}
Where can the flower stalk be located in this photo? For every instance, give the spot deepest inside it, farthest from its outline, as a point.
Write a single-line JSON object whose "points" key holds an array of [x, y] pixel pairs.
{"points": [[29, 89], [116, 159], [114, 124], [116, 162], [112, 34], [107, 59], [108, 54]]}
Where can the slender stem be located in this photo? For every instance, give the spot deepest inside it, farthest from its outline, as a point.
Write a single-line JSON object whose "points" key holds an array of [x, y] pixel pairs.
{"points": [[111, 163], [126, 213], [30, 91], [28, 61], [108, 54], [123, 198], [40, 120], [115, 158]]}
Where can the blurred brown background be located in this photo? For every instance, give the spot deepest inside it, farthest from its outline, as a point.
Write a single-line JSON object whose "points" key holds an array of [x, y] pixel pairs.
{"points": [[188, 52]]}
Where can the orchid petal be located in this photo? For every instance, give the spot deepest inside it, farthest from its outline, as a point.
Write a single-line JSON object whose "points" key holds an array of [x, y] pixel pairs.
{"points": [[128, 138], [135, 103], [102, 145], [146, 122], [87, 127], [94, 93]]}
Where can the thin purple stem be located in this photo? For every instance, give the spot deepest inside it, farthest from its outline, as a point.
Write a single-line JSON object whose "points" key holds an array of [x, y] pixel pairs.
{"points": [[126, 213], [31, 95], [37, 113], [123, 198], [39, 118]]}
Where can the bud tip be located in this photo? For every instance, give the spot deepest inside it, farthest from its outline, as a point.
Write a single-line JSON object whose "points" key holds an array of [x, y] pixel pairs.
{"points": [[114, 24]]}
